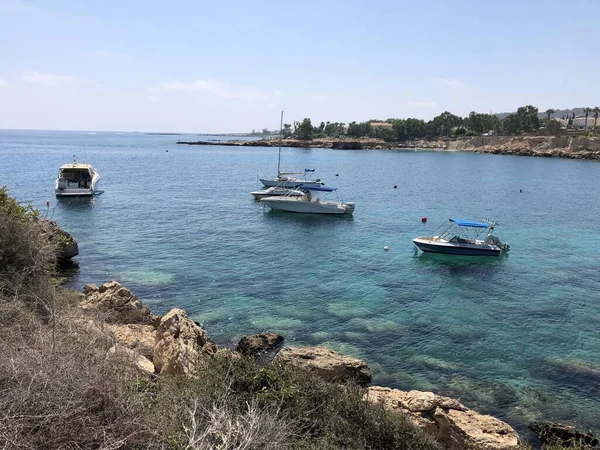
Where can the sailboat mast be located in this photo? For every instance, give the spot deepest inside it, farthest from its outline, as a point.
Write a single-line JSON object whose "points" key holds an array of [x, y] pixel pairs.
{"points": [[279, 157]]}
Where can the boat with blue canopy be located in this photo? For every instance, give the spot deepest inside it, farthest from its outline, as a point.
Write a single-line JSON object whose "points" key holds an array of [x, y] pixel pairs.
{"points": [[464, 237], [313, 201]]}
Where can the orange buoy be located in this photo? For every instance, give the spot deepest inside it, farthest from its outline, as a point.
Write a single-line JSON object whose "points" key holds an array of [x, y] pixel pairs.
{"points": [[424, 219]]}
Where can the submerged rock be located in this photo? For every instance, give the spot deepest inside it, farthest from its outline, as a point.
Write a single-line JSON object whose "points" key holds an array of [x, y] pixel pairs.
{"points": [[180, 343], [452, 424], [564, 435], [328, 364]]}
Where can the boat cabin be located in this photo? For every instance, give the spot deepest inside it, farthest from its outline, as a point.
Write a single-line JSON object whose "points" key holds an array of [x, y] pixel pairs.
{"points": [[75, 175]]}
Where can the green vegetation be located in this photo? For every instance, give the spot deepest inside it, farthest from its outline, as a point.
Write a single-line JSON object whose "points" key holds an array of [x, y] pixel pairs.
{"points": [[527, 119]]}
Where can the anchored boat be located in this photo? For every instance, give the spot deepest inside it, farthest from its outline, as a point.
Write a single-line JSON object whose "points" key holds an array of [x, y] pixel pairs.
{"points": [[464, 237], [313, 202], [76, 180]]}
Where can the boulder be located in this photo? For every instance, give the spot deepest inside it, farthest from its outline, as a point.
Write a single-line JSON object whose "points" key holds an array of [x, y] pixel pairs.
{"points": [[139, 361], [180, 343], [66, 246], [328, 364], [452, 424], [564, 435], [118, 303], [139, 338], [255, 344]]}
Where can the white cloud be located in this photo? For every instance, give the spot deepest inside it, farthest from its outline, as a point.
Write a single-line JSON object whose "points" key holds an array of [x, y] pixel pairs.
{"points": [[319, 97], [153, 100], [277, 93], [456, 84], [47, 78], [218, 89], [3, 83], [422, 104]]}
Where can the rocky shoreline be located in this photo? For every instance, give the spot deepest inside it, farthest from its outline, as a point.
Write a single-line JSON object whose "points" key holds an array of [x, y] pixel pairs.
{"points": [[175, 345], [574, 147]]}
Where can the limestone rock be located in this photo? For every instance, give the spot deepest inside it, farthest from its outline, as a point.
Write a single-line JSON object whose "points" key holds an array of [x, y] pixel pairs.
{"points": [[180, 343], [328, 364], [256, 344], [452, 424], [141, 362], [139, 338], [118, 303]]}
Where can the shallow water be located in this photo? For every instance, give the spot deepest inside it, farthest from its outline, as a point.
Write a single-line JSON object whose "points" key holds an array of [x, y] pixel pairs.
{"points": [[515, 336]]}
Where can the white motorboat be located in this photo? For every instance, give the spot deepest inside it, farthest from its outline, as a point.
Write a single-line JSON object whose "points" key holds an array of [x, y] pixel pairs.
{"points": [[461, 237], [289, 180], [276, 191], [311, 202], [76, 180]]}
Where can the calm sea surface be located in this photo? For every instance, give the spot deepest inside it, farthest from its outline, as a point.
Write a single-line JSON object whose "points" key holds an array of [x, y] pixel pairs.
{"points": [[517, 337]]}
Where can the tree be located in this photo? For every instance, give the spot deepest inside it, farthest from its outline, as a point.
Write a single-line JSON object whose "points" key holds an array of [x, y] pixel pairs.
{"points": [[304, 130], [554, 126], [528, 117], [265, 132], [387, 134], [444, 123], [287, 130], [596, 114], [587, 111], [549, 113]]}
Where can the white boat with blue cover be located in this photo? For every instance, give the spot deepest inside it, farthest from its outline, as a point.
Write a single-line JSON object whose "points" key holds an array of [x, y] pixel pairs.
{"points": [[313, 202], [462, 237]]}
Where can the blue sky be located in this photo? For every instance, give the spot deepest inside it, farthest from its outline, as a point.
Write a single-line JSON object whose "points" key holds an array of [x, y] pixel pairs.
{"points": [[231, 66]]}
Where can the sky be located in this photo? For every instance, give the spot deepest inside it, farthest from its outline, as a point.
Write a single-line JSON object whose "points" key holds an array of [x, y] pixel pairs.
{"points": [[231, 66]]}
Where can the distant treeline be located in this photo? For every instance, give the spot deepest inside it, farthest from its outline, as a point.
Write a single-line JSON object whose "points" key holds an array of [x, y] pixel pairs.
{"points": [[525, 119]]}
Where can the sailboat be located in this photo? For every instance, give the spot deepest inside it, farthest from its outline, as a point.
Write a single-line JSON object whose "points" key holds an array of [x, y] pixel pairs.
{"points": [[289, 180]]}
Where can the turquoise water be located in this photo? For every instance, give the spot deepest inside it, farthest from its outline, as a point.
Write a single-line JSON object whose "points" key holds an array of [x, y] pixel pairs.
{"points": [[516, 337]]}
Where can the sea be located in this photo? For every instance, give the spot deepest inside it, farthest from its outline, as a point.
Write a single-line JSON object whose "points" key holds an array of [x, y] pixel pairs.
{"points": [[517, 337]]}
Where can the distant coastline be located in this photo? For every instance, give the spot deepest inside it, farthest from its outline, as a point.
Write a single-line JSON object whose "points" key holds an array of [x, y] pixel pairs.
{"points": [[574, 147]]}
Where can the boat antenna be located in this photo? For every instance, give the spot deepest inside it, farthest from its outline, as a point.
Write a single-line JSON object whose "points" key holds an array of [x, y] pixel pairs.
{"points": [[279, 157]]}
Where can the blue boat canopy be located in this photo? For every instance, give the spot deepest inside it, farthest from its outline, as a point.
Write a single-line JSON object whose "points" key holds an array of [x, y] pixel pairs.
{"points": [[309, 170], [317, 188], [470, 223]]}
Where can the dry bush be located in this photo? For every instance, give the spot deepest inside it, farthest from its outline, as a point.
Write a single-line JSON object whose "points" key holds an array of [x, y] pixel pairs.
{"points": [[60, 387]]}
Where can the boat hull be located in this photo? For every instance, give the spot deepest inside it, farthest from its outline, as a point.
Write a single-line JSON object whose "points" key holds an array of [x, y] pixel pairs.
{"points": [[74, 191], [449, 248], [309, 207]]}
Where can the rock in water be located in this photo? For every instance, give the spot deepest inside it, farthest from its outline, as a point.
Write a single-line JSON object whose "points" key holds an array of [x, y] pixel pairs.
{"points": [[256, 344], [452, 424], [328, 364], [66, 246]]}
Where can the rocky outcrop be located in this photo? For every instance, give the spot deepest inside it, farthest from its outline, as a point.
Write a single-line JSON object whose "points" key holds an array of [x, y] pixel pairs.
{"points": [[180, 343], [452, 424], [117, 303], [256, 344], [564, 435], [328, 364], [66, 245]]}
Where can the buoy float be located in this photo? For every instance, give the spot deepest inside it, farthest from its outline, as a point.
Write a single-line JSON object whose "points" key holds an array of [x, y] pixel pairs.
{"points": [[395, 186], [337, 174], [424, 219], [47, 203], [385, 248]]}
